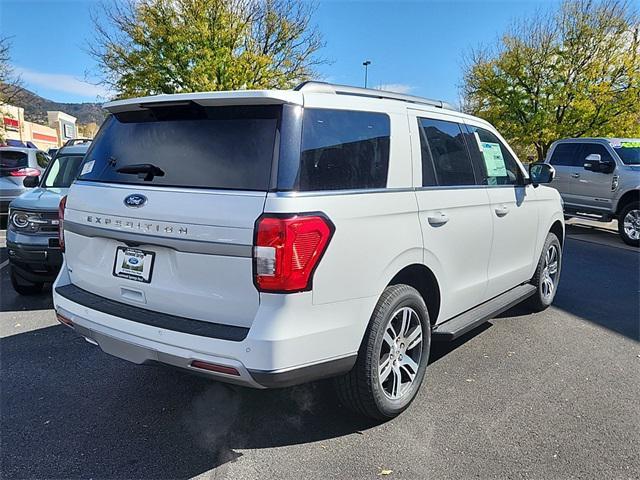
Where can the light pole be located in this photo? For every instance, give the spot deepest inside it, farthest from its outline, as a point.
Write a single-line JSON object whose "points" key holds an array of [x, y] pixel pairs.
{"points": [[366, 64]]}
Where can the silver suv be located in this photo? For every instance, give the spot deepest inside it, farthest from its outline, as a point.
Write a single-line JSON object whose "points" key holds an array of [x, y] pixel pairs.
{"points": [[16, 164], [599, 179]]}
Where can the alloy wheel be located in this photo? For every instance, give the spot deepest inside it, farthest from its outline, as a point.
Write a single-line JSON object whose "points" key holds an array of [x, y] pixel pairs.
{"points": [[400, 353], [631, 224], [550, 272]]}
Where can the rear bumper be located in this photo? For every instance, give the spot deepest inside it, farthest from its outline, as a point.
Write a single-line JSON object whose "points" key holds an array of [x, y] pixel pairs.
{"points": [[269, 355]]}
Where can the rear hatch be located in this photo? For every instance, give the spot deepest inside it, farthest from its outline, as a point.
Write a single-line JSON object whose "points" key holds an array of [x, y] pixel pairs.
{"points": [[14, 165], [163, 212]]}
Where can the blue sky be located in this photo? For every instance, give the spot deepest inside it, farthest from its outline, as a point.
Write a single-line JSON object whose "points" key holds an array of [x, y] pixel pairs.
{"points": [[416, 46]]}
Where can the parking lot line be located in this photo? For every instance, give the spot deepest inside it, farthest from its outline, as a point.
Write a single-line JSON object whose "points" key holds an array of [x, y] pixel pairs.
{"points": [[4, 264]]}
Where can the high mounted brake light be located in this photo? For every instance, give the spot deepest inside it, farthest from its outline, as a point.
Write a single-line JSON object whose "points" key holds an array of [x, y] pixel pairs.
{"points": [[287, 250], [61, 207]]}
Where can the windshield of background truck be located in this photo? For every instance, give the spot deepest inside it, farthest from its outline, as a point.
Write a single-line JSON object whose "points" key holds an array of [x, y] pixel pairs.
{"points": [[628, 151]]}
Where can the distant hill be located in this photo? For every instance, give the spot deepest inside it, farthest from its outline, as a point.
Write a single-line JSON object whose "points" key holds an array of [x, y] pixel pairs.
{"points": [[36, 107]]}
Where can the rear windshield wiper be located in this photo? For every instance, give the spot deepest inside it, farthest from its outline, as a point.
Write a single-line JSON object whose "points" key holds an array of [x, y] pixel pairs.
{"points": [[148, 170]]}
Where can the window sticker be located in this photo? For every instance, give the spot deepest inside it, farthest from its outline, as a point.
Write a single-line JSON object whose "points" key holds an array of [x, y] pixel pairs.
{"points": [[493, 159], [87, 167], [630, 144]]}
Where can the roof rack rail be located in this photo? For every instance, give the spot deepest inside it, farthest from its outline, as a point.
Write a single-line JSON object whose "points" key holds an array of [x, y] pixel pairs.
{"points": [[324, 87]]}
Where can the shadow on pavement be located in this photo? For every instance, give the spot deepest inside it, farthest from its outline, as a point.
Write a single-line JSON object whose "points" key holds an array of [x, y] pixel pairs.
{"points": [[71, 407], [601, 285], [11, 301], [592, 287]]}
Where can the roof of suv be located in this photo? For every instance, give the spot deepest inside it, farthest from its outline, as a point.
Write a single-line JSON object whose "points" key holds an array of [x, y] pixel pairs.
{"points": [[294, 96], [19, 149], [597, 139]]}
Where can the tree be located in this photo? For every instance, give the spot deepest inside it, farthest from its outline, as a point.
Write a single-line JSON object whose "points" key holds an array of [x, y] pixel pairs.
{"points": [[567, 73], [10, 83], [88, 130], [146, 47]]}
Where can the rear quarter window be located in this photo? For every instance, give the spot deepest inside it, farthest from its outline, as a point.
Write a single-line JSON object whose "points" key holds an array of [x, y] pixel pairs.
{"points": [[343, 150], [194, 146]]}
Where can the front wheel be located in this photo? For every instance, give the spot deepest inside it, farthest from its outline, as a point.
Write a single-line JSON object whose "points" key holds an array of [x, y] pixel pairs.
{"points": [[392, 358], [547, 274], [629, 224], [24, 287]]}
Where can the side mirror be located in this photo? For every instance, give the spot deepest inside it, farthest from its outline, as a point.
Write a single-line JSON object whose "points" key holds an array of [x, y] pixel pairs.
{"points": [[31, 181], [541, 173], [594, 163]]}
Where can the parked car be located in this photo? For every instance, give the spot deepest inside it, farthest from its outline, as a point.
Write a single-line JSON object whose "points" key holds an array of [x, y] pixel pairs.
{"points": [[77, 141], [32, 233], [17, 163], [269, 238], [52, 152], [599, 179]]}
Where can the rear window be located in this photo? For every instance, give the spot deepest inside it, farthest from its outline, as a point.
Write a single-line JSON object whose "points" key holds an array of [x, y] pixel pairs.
{"points": [[343, 150], [188, 146], [10, 161]]}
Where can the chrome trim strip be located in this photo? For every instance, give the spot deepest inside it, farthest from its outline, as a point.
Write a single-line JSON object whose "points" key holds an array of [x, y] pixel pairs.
{"points": [[161, 188], [465, 187], [367, 191], [329, 193], [179, 244]]}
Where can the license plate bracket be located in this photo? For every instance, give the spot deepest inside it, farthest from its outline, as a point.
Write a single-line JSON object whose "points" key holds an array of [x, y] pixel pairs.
{"points": [[133, 264]]}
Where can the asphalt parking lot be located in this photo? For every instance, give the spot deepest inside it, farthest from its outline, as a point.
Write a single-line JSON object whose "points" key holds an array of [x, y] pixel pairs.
{"points": [[551, 395]]}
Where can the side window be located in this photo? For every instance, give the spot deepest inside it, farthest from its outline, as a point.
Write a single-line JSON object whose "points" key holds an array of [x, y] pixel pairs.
{"points": [[589, 148], [444, 141], [494, 161], [565, 154], [343, 150], [42, 159]]}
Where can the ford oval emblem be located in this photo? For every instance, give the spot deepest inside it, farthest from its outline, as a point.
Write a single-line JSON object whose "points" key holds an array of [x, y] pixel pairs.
{"points": [[135, 200]]}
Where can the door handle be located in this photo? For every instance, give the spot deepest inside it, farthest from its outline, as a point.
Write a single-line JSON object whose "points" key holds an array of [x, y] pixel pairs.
{"points": [[575, 175], [437, 219], [502, 210]]}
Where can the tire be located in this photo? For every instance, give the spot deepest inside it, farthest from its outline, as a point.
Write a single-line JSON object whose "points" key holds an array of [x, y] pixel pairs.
{"points": [[629, 224], [541, 299], [24, 287], [361, 390]]}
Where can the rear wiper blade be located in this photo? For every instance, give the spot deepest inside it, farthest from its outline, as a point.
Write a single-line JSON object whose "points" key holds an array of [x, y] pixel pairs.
{"points": [[147, 169]]}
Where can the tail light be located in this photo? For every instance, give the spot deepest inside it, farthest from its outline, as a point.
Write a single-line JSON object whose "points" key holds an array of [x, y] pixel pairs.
{"points": [[61, 207], [25, 172], [288, 249]]}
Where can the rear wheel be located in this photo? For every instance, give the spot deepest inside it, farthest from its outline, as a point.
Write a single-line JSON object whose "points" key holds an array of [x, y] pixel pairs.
{"points": [[547, 274], [392, 358], [24, 287], [629, 224]]}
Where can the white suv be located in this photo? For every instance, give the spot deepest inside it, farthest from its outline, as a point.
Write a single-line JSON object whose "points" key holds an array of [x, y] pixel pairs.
{"points": [[269, 238]]}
